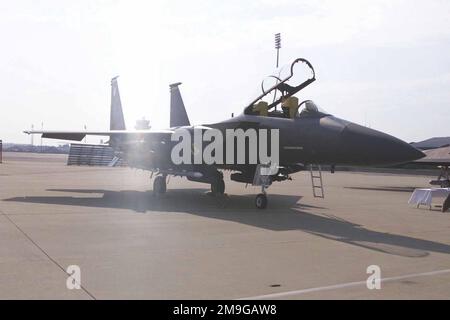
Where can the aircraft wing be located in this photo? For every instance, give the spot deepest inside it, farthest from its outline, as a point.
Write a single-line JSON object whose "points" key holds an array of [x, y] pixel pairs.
{"points": [[434, 162], [79, 135], [437, 157]]}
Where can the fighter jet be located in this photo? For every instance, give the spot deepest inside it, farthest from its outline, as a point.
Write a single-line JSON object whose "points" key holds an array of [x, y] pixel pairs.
{"points": [[306, 136], [439, 157]]}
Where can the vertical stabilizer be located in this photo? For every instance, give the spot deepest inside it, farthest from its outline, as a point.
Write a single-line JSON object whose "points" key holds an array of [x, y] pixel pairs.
{"points": [[178, 115], [117, 121]]}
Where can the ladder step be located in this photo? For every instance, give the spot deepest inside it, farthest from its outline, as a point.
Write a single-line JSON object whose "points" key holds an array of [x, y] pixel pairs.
{"points": [[316, 181]]}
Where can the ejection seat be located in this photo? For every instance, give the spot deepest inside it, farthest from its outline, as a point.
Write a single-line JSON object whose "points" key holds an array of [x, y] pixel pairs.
{"points": [[290, 106], [262, 108]]}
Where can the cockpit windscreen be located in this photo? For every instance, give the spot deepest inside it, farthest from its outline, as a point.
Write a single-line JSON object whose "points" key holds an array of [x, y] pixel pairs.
{"points": [[276, 98]]}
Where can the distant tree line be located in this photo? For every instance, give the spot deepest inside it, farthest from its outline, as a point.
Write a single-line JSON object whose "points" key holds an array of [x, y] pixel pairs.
{"points": [[14, 147]]}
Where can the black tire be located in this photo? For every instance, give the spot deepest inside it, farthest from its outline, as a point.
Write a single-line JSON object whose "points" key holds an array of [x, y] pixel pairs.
{"points": [[446, 204], [261, 201], [218, 187], [159, 185]]}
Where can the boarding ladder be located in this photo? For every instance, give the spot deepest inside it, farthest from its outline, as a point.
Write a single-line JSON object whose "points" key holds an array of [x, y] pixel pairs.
{"points": [[316, 181], [114, 162]]}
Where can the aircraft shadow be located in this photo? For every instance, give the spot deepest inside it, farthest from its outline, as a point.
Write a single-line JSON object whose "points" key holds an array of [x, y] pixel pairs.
{"points": [[283, 214]]}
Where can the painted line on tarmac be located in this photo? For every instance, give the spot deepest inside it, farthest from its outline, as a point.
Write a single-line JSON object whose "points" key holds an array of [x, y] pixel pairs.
{"points": [[344, 285], [43, 251]]}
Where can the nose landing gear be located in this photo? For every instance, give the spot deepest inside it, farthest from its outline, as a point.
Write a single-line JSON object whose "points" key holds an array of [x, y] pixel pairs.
{"points": [[261, 200], [263, 180]]}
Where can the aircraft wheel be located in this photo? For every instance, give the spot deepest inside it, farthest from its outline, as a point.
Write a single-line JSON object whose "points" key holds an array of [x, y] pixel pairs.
{"points": [[218, 187], [261, 201], [159, 185]]}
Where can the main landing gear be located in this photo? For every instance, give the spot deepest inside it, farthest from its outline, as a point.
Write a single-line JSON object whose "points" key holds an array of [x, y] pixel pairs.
{"points": [[159, 185], [218, 187]]}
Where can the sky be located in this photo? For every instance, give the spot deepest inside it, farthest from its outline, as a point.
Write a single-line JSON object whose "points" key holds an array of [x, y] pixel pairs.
{"points": [[382, 64]]}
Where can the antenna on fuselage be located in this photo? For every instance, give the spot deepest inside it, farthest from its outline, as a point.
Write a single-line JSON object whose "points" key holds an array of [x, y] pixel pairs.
{"points": [[278, 45]]}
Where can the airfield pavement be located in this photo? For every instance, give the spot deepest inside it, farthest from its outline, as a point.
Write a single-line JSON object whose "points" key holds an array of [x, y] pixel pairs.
{"points": [[190, 245]]}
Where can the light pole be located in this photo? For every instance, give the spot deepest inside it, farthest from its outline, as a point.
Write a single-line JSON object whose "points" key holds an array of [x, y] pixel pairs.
{"points": [[32, 135], [278, 45], [42, 129]]}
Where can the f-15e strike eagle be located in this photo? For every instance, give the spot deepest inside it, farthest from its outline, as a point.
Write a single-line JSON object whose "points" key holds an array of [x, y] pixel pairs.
{"points": [[305, 136]]}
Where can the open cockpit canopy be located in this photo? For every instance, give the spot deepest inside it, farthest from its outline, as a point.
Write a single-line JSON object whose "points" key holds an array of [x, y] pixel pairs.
{"points": [[278, 89]]}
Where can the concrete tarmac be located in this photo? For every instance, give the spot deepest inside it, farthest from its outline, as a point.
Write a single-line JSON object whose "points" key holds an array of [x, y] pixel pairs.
{"points": [[190, 245]]}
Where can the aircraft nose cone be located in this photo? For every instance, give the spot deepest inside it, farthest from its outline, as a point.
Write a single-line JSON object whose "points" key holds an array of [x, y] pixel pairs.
{"points": [[371, 147]]}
